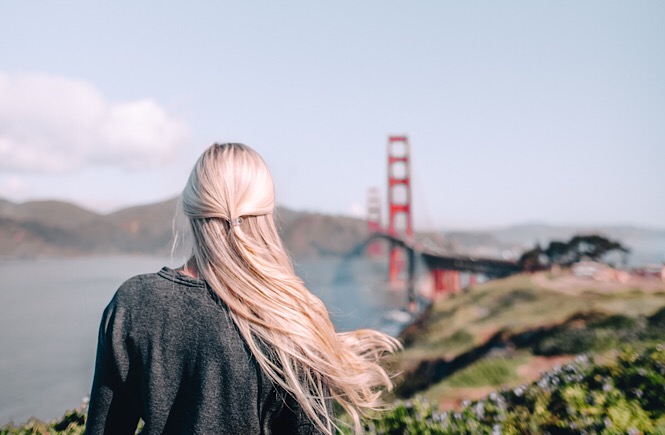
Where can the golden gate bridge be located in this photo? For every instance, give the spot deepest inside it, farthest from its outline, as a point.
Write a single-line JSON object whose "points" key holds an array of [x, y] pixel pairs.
{"points": [[402, 252]]}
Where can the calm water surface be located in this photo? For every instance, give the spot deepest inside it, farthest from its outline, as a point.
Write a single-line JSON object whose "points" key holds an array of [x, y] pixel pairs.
{"points": [[50, 311]]}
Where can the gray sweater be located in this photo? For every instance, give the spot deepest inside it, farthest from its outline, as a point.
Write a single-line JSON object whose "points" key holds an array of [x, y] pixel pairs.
{"points": [[169, 353]]}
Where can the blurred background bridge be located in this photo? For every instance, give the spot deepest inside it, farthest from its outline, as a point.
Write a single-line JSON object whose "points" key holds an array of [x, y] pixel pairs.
{"points": [[445, 267]]}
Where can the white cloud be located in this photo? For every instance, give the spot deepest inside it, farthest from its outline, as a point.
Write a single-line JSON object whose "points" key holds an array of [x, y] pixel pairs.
{"points": [[55, 124]]}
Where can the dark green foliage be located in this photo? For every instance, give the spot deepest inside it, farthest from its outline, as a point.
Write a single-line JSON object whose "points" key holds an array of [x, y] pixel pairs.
{"points": [[72, 423], [615, 322], [657, 320], [558, 252], [624, 396], [71, 419], [425, 374], [566, 342], [591, 246], [601, 333], [531, 260]]}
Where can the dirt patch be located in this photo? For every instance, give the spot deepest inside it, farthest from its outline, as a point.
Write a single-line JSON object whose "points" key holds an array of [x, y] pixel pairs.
{"points": [[459, 395], [540, 364], [528, 372]]}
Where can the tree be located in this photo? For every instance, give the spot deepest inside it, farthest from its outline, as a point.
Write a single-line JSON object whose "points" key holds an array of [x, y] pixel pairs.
{"points": [[531, 260], [593, 247], [558, 252]]}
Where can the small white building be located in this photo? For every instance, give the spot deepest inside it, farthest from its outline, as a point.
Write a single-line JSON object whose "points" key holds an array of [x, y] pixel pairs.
{"points": [[599, 272]]}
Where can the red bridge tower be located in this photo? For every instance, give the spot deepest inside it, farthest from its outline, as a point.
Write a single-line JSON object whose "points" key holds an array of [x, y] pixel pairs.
{"points": [[399, 201]]}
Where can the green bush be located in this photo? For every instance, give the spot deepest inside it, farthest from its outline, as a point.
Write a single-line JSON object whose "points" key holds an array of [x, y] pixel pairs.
{"points": [[607, 332], [657, 320], [624, 396], [614, 322], [72, 423], [570, 341]]}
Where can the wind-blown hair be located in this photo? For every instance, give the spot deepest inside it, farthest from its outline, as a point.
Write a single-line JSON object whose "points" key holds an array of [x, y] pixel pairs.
{"points": [[287, 328]]}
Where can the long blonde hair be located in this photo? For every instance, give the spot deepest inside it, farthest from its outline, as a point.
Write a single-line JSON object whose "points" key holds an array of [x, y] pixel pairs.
{"points": [[229, 200]]}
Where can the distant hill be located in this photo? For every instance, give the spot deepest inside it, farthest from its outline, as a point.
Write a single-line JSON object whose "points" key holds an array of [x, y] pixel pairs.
{"points": [[51, 228], [55, 213]]}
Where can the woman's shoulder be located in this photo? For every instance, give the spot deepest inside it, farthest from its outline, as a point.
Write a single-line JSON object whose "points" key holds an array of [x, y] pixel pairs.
{"points": [[136, 286], [167, 292], [149, 286]]}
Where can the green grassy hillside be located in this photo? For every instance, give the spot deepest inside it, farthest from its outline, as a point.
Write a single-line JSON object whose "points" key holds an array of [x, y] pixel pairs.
{"points": [[507, 332]]}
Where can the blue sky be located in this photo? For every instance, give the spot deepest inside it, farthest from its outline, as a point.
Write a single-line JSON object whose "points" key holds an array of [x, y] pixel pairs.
{"points": [[516, 111]]}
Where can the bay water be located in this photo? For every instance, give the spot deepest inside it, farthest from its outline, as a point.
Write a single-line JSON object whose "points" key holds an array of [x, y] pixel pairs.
{"points": [[50, 311]]}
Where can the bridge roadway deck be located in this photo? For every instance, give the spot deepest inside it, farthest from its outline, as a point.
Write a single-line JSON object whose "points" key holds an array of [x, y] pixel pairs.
{"points": [[433, 260], [486, 266]]}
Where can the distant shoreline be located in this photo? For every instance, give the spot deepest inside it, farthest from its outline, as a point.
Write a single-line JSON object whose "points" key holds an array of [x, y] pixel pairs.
{"points": [[48, 229]]}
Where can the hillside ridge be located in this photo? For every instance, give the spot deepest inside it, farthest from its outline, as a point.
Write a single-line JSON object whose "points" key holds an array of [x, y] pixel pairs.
{"points": [[51, 228]]}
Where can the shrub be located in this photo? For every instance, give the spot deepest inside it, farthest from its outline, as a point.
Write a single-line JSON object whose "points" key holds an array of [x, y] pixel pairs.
{"points": [[623, 396], [569, 341], [72, 423], [657, 320], [615, 322]]}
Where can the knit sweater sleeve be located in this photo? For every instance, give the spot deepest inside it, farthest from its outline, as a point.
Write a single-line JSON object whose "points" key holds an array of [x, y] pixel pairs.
{"points": [[112, 410], [293, 420]]}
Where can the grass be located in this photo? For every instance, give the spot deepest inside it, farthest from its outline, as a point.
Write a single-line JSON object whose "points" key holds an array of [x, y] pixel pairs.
{"points": [[516, 303], [481, 312], [458, 342], [493, 372], [461, 322], [479, 378]]}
